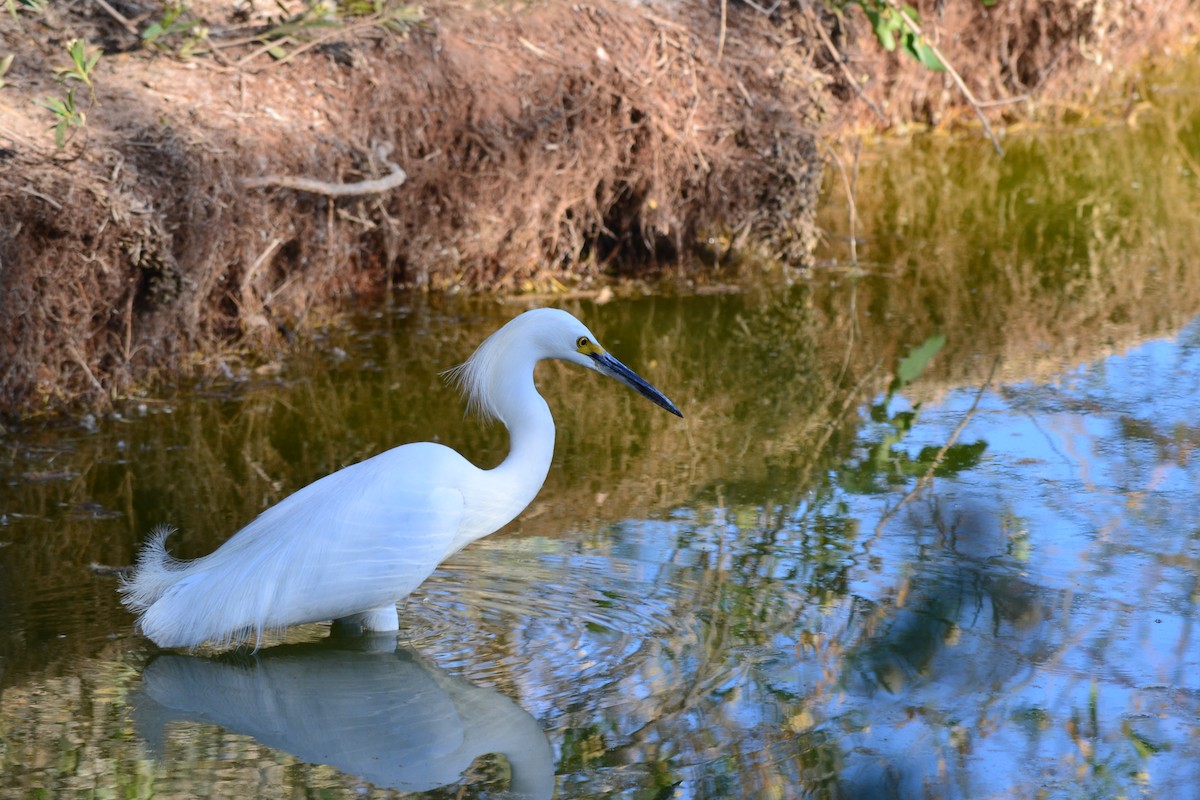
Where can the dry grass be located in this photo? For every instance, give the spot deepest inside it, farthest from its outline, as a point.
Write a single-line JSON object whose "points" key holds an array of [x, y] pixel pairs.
{"points": [[542, 144]]}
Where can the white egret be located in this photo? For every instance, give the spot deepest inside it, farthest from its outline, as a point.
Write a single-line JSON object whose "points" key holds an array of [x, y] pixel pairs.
{"points": [[350, 545]]}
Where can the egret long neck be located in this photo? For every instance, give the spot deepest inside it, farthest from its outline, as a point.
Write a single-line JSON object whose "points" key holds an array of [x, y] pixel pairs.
{"points": [[503, 492], [531, 448]]}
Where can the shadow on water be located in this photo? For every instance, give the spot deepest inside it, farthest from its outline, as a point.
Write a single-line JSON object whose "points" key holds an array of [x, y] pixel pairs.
{"points": [[980, 580]]}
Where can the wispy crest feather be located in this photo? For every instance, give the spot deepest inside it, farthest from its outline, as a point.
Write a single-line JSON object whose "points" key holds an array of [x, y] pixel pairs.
{"points": [[471, 379], [477, 377]]}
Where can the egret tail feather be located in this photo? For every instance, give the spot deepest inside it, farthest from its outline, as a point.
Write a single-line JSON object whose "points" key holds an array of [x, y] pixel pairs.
{"points": [[156, 571]]}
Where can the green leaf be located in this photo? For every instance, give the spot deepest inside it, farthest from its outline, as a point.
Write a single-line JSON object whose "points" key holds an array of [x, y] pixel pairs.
{"points": [[78, 54], [929, 59], [883, 26], [957, 458], [916, 47], [55, 105], [890, 23], [918, 358], [1145, 748], [903, 421]]}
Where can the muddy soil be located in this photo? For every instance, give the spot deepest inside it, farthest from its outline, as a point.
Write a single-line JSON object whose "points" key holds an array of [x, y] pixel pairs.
{"points": [[239, 175]]}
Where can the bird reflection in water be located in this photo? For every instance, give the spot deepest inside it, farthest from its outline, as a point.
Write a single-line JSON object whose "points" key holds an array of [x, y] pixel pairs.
{"points": [[362, 706]]}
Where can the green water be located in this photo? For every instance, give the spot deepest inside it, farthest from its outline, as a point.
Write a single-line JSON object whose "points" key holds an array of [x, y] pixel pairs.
{"points": [[980, 583]]}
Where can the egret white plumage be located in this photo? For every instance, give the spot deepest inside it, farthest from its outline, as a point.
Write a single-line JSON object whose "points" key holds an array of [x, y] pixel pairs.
{"points": [[350, 545]]}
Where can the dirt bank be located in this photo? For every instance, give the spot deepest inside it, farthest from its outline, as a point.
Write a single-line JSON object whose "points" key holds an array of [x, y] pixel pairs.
{"points": [[539, 144]]}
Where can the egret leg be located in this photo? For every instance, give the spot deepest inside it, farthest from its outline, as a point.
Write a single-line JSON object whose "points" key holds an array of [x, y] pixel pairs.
{"points": [[383, 618]]}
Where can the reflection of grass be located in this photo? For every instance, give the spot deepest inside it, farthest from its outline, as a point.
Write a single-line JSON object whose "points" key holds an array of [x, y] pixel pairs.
{"points": [[1071, 247], [758, 441]]}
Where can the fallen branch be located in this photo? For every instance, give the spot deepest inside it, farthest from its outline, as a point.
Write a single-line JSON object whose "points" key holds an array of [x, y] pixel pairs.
{"points": [[314, 186]]}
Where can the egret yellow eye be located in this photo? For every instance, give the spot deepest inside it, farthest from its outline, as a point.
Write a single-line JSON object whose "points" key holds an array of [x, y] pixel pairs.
{"points": [[582, 342]]}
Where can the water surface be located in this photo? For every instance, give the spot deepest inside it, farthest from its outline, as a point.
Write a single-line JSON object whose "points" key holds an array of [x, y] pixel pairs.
{"points": [[979, 582]]}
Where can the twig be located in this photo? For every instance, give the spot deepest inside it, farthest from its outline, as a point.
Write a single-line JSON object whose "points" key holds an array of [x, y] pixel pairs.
{"points": [[258, 262], [32, 193], [540, 52], [962, 86], [75, 354], [837, 59], [926, 479], [314, 186], [850, 183], [721, 35], [119, 17], [263, 48], [267, 46], [762, 9], [221, 58], [1004, 101]]}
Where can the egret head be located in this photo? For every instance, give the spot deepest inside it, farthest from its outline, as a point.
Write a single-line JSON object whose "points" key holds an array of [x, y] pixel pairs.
{"points": [[542, 333], [590, 354]]}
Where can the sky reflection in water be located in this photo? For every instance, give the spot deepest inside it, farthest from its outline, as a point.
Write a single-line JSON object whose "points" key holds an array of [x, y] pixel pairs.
{"points": [[1024, 625]]}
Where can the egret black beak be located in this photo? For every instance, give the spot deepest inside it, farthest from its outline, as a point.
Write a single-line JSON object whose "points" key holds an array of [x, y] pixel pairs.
{"points": [[609, 366]]}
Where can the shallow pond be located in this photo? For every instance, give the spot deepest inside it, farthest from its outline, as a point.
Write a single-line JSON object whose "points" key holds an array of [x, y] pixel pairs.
{"points": [[930, 528]]}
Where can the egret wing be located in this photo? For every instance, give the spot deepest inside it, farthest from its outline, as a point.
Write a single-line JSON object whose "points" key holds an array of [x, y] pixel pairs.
{"points": [[353, 541]]}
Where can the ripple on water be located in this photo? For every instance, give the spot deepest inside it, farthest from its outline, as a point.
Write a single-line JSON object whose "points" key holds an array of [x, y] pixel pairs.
{"points": [[540, 613]]}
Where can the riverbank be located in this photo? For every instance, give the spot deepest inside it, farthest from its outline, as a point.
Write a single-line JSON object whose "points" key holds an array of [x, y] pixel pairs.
{"points": [[513, 149]]}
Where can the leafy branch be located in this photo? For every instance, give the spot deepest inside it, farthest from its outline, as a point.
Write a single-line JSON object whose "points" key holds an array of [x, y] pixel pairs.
{"points": [[13, 6], [83, 64], [177, 20], [900, 26], [333, 18], [890, 24]]}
